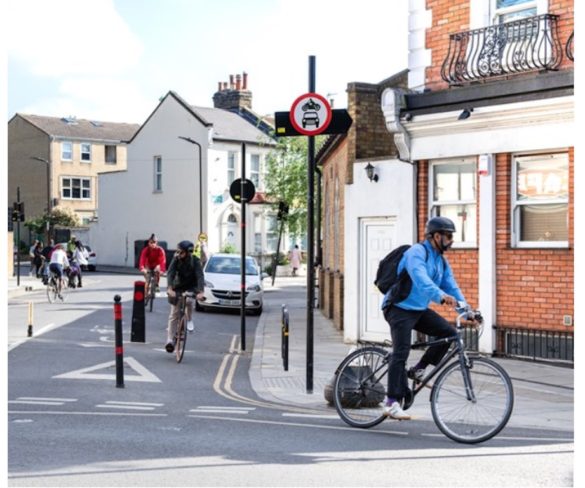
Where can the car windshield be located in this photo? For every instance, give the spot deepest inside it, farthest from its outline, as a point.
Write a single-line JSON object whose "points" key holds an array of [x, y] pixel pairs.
{"points": [[229, 265]]}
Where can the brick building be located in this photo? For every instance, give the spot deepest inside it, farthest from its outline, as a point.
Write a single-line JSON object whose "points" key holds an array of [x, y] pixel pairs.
{"points": [[487, 120]]}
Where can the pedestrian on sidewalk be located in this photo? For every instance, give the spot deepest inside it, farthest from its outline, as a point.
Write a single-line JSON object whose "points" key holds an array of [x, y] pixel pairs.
{"points": [[295, 258], [37, 260]]}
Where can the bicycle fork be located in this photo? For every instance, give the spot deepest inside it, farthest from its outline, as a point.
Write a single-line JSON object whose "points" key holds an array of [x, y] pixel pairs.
{"points": [[465, 367]]}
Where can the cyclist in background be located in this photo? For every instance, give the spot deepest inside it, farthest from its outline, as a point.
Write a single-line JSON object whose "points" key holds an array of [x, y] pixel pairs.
{"points": [[185, 274], [152, 258], [432, 281], [58, 264]]}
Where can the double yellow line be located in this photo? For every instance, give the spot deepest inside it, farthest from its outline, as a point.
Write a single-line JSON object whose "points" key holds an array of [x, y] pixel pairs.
{"points": [[224, 380]]}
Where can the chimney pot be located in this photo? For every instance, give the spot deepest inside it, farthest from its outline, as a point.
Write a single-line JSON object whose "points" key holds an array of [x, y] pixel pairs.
{"points": [[219, 86], [238, 82], [231, 82], [245, 81]]}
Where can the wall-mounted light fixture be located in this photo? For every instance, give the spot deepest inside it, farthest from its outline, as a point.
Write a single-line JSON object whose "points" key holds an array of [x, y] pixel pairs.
{"points": [[465, 114], [370, 171]]}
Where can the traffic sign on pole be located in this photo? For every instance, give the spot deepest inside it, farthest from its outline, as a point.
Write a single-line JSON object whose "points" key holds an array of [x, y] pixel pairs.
{"points": [[310, 114], [340, 122], [249, 190]]}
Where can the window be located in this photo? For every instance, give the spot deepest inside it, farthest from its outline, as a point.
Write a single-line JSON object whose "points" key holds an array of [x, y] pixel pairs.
{"points": [[255, 170], [75, 188], [271, 233], [158, 173], [231, 168], [111, 155], [453, 195], [85, 152], [510, 10], [540, 214], [66, 151]]}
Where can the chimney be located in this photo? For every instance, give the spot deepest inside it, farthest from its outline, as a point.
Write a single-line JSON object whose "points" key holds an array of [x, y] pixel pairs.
{"points": [[219, 86], [236, 97]]}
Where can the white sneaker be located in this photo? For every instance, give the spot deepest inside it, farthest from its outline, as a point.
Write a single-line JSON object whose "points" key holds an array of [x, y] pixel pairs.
{"points": [[395, 411], [190, 326]]}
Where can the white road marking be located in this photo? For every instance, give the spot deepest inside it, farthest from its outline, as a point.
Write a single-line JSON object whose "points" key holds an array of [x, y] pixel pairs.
{"points": [[144, 375], [49, 399], [310, 416], [223, 410], [41, 401], [127, 407], [119, 414]]}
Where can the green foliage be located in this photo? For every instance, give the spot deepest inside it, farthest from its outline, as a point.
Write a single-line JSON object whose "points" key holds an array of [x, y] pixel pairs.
{"points": [[228, 248], [64, 217], [286, 181]]}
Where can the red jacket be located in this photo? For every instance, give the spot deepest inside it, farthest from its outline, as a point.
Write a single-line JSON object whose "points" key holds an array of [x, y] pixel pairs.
{"points": [[150, 258]]}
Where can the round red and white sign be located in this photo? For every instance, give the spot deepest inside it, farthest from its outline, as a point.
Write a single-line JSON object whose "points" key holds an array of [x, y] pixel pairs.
{"points": [[310, 114]]}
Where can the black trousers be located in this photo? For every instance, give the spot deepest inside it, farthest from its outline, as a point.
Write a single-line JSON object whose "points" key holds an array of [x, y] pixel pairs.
{"points": [[402, 322]]}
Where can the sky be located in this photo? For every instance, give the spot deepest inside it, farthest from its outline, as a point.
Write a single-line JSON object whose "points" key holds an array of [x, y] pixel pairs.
{"points": [[112, 60]]}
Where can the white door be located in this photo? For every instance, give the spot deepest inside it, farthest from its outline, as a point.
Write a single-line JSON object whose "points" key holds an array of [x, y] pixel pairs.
{"points": [[377, 239]]}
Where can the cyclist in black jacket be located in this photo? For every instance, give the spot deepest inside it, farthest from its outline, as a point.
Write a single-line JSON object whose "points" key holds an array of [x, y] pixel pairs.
{"points": [[185, 274]]}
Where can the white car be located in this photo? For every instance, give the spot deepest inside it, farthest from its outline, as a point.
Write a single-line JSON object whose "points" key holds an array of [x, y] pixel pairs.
{"points": [[223, 284]]}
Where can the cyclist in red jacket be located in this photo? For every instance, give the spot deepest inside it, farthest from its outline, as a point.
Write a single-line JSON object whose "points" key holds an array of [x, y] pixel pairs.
{"points": [[152, 258]]}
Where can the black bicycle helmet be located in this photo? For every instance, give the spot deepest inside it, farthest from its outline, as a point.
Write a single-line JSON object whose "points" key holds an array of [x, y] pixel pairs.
{"points": [[439, 224], [186, 246]]}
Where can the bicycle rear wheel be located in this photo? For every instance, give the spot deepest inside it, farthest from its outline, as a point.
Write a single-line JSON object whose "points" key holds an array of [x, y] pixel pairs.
{"points": [[360, 387], [181, 339], [472, 421]]}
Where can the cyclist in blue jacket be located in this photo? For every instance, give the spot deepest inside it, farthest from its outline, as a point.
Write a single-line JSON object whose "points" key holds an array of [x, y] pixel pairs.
{"points": [[432, 281]]}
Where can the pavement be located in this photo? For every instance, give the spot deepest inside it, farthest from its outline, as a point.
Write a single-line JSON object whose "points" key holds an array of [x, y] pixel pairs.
{"points": [[544, 392]]}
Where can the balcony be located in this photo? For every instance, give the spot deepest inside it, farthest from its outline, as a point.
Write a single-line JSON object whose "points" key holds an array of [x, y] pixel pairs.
{"points": [[521, 46], [569, 47]]}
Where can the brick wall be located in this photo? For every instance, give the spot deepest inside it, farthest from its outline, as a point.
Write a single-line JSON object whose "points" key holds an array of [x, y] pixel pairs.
{"points": [[451, 16], [535, 287]]}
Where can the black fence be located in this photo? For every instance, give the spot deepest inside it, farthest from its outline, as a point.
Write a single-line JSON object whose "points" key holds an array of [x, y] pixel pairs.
{"points": [[535, 344], [520, 46]]}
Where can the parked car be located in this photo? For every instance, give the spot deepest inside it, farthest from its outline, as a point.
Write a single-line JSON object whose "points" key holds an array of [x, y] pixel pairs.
{"points": [[223, 280], [91, 260]]}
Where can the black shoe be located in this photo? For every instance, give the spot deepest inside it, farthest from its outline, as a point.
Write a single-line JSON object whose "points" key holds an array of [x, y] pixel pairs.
{"points": [[170, 347], [416, 374], [79, 286]]}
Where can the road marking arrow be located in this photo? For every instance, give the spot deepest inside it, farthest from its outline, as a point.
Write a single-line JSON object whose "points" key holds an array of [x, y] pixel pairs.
{"points": [[143, 375]]}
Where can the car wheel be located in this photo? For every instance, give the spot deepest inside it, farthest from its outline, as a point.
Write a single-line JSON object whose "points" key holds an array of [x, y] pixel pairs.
{"points": [[258, 311], [198, 307]]}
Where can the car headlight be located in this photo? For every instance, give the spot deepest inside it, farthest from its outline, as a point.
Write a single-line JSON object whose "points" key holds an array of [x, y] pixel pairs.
{"points": [[208, 284], [254, 288]]}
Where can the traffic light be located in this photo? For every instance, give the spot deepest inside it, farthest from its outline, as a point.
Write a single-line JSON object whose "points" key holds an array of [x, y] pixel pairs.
{"points": [[17, 212], [282, 211]]}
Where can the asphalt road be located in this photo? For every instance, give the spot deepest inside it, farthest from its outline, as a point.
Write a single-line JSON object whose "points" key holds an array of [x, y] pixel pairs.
{"points": [[199, 423]]}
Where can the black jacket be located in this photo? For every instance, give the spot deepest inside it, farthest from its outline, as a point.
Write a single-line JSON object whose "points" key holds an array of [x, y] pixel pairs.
{"points": [[186, 274]]}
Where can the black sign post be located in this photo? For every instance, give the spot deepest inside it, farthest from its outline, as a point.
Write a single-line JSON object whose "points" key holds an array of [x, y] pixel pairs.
{"points": [[311, 123], [242, 190]]}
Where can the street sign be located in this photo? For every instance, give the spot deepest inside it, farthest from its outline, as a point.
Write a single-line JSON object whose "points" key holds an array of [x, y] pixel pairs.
{"points": [[340, 123], [236, 190], [310, 114]]}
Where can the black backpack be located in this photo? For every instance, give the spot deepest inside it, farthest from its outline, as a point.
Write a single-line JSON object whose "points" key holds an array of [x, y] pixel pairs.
{"points": [[387, 275]]}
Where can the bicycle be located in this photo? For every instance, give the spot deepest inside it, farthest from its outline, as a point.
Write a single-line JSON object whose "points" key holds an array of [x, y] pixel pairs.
{"points": [[471, 399], [56, 289], [181, 334], [150, 289]]}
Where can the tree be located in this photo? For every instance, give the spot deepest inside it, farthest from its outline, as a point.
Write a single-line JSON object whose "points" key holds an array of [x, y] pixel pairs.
{"points": [[286, 181], [59, 216]]}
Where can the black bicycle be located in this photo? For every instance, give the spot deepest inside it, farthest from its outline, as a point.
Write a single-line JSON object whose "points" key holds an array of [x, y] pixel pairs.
{"points": [[181, 334], [471, 398]]}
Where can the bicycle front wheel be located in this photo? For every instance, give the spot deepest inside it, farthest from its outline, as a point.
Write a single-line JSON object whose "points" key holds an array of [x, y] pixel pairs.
{"points": [[52, 295], [480, 414], [181, 339], [360, 387]]}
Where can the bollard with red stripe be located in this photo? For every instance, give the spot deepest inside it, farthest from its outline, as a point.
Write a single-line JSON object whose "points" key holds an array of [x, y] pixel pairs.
{"points": [[118, 338], [138, 318]]}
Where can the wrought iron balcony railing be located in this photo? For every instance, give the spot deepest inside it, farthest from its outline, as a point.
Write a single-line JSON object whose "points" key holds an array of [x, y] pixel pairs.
{"points": [[519, 46], [569, 46]]}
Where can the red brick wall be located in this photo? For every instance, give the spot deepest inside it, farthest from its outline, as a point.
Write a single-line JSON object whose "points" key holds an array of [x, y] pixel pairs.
{"points": [[451, 16], [535, 287]]}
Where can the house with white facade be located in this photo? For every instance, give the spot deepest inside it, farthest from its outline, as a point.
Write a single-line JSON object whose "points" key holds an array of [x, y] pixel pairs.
{"points": [[181, 163]]}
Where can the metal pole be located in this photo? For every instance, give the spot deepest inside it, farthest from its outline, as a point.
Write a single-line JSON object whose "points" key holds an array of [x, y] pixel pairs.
{"points": [[243, 250], [192, 141], [310, 238], [18, 238]]}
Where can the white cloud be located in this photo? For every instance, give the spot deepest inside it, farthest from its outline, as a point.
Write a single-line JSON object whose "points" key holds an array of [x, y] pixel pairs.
{"points": [[70, 37]]}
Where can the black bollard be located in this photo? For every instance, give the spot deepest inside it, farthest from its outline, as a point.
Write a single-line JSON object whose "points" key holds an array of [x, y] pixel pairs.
{"points": [[119, 346], [138, 333]]}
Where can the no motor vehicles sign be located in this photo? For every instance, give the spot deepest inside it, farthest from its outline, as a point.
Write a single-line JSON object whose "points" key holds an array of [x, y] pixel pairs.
{"points": [[310, 114]]}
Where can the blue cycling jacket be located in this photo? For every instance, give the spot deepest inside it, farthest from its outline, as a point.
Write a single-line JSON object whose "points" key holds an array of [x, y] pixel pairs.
{"points": [[431, 277]]}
